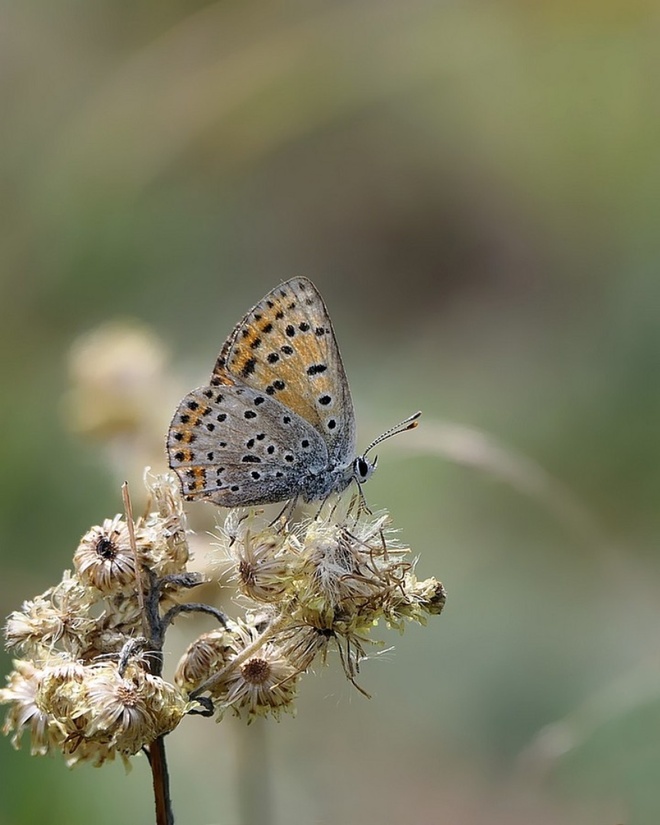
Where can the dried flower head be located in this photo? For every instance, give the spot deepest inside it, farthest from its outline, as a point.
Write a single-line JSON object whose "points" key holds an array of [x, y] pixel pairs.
{"points": [[263, 565], [120, 622], [350, 569], [120, 709], [114, 370], [26, 712], [127, 710], [261, 684], [163, 531], [68, 705], [104, 558], [301, 644], [429, 596], [208, 654], [60, 615]]}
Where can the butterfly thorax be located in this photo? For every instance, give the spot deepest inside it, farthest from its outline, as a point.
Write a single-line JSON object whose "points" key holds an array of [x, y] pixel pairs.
{"points": [[336, 479], [318, 486]]}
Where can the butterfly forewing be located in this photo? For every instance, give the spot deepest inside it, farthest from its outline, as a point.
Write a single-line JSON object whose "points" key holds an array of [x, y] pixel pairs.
{"points": [[285, 347], [234, 445]]}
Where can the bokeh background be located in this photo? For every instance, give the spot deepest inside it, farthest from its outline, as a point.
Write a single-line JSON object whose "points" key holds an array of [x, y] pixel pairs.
{"points": [[475, 189]]}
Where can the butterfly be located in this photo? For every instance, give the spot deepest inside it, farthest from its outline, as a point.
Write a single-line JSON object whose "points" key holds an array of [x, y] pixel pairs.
{"points": [[276, 421]]}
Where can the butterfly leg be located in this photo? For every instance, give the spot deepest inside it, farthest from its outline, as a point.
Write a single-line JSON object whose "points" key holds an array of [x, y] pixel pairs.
{"points": [[234, 535], [333, 507], [286, 513], [362, 506]]}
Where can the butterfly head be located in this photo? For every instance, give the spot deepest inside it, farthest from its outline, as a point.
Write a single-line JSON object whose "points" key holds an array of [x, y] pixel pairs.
{"points": [[363, 468]]}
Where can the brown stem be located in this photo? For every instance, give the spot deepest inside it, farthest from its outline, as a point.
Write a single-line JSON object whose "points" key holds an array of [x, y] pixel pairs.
{"points": [[161, 782]]}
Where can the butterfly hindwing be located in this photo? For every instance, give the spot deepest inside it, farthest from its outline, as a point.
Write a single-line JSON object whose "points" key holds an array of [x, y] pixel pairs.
{"points": [[235, 445], [285, 347]]}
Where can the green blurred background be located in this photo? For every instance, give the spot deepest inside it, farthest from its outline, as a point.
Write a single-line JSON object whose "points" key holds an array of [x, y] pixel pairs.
{"points": [[475, 189]]}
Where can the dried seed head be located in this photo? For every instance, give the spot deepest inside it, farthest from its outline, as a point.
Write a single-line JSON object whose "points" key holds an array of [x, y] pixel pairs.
{"points": [[89, 711], [256, 671], [165, 549], [124, 711], [263, 566], [432, 595], [349, 571], [204, 657], [301, 644], [258, 684], [60, 615], [414, 601], [120, 622], [26, 712], [104, 558], [61, 689], [265, 684]]}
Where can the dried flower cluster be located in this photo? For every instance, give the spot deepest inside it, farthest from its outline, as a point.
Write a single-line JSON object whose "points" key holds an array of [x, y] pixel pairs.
{"points": [[89, 681], [307, 587], [86, 685]]}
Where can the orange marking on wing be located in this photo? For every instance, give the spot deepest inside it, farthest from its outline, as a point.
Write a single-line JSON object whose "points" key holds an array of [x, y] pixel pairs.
{"points": [[278, 342], [305, 346], [293, 402], [220, 375], [302, 388], [245, 353], [198, 476]]}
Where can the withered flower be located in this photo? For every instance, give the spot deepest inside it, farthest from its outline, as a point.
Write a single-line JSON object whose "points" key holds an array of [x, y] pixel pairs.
{"points": [[104, 558]]}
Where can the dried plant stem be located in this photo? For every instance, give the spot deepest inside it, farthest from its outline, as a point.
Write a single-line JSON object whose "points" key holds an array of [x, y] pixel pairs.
{"points": [[130, 524], [151, 624], [161, 782]]}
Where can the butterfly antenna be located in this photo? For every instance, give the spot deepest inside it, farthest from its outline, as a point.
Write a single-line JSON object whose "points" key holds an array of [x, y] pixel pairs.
{"points": [[407, 424]]}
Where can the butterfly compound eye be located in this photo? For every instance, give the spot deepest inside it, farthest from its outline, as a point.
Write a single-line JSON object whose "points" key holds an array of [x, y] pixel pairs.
{"points": [[362, 468]]}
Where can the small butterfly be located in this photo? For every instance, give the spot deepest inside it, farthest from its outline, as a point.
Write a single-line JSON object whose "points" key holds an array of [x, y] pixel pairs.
{"points": [[276, 420]]}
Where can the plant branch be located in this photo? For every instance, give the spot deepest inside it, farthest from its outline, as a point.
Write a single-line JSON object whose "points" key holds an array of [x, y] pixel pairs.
{"points": [[192, 607], [161, 782]]}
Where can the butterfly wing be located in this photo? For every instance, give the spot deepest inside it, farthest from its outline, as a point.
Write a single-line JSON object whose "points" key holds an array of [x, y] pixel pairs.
{"points": [[286, 347], [234, 445]]}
